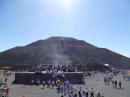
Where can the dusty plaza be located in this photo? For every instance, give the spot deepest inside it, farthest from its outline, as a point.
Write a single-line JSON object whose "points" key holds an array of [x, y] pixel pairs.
{"points": [[17, 90]]}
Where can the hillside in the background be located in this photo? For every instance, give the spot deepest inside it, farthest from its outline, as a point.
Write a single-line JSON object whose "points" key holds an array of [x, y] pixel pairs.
{"points": [[62, 50]]}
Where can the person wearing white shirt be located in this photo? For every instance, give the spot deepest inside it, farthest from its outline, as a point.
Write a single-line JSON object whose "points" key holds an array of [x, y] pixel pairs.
{"points": [[92, 92], [87, 92]]}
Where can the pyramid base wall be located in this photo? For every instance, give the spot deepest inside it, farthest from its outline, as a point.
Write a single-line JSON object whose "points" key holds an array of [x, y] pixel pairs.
{"points": [[26, 77]]}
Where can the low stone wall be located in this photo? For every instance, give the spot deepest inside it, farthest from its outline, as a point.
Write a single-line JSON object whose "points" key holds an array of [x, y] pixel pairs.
{"points": [[26, 77]]}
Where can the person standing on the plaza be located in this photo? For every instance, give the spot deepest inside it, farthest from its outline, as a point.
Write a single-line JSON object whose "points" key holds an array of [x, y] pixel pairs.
{"points": [[7, 92], [65, 90], [69, 94], [43, 83], [58, 89], [120, 84], [53, 84], [38, 81], [105, 80], [32, 82], [61, 87], [80, 92], [115, 84], [84, 94], [87, 92], [92, 92], [48, 83], [98, 94], [75, 93]]}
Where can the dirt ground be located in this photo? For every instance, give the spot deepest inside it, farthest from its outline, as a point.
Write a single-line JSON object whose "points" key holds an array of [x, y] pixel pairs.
{"points": [[37, 91]]}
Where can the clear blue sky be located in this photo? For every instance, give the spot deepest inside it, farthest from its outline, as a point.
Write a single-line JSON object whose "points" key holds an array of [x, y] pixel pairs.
{"points": [[104, 23]]}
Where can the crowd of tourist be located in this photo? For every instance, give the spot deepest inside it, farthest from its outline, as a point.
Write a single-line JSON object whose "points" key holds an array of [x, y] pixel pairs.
{"points": [[4, 89], [109, 79], [52, 68], [64, 86]]}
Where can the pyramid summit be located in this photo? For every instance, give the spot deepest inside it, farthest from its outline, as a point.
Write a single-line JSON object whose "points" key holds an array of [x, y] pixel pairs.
{"points": [[63, 50], [61, 38]]}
